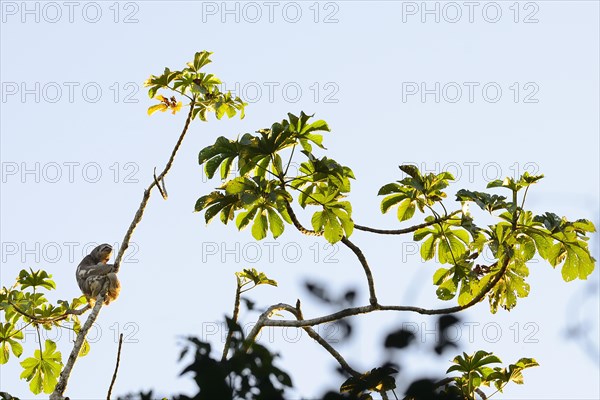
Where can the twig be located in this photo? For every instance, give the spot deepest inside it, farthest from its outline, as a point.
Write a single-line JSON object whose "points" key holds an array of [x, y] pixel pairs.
{"points": [[64, 375], [163, 189], [405, 230], [264, 317], [114, 378], [236, 311], [140, 212], [334, 353]]}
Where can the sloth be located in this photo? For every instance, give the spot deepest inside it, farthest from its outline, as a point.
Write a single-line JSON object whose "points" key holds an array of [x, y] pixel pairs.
{"points": [[93, 272]]}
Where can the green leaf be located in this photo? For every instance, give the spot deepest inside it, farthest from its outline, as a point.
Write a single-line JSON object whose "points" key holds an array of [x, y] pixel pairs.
{"points": [[85, 349], [410, 170], [35, 278], [389, 188], [406, 209], [428, 249], [201, 59], [258, 278], [259, 229], [42, 370], [333, 231], [317, 221], [275, 223], [578, 263], [244, 218]]}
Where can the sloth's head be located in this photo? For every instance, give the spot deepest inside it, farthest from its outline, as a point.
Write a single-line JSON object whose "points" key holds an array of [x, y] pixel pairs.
{"points": [[103, 252]]}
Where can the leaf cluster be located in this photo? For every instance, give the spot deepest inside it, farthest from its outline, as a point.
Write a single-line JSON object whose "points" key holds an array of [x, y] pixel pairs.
{"points": [[476, 372], [261, 192], [25, 304], [201, 88]]}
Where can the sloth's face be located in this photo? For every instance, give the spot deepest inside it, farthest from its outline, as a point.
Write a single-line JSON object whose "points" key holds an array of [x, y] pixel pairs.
{"points": [[104, 252]]}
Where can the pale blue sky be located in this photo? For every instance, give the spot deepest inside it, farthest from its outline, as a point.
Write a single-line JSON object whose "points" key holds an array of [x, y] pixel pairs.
{"points": [[359, 71]]}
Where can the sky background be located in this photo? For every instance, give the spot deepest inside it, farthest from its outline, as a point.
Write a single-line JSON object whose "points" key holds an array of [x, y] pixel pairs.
{"points": [[393, 82]]}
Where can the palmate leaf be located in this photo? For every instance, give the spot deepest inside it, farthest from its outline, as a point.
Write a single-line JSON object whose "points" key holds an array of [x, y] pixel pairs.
{"points": [[201, 59], [515, 184], [335, 221], [8, 338], [325, 173], [258, 278], [562, 243], [510, 287], [257, 201], [216, 203], [34, 279], [201, 86], [449, 242], [223, 150], [485, 201], [415, 191], [475, 372], [42, 370]]}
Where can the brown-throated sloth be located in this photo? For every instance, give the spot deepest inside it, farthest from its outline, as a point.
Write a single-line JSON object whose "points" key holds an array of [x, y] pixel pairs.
{"points": [[92, 273]]}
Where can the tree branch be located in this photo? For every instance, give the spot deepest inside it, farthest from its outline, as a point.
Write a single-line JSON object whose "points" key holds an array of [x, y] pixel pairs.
{"points": [[406, 230], [236, 311], [297, 223], [114, 378], [363, 261], [49, 320], [264, 319], [64, 375], [359, 254], [63, 379], [140, 211], [334, 353]]}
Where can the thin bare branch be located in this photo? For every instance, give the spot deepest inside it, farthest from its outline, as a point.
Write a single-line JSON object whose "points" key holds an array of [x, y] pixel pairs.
{"points": [[363, 261], [140, 211], [359, 254], [236, 312], [114, 377], [334, 353], [264, 317]]}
